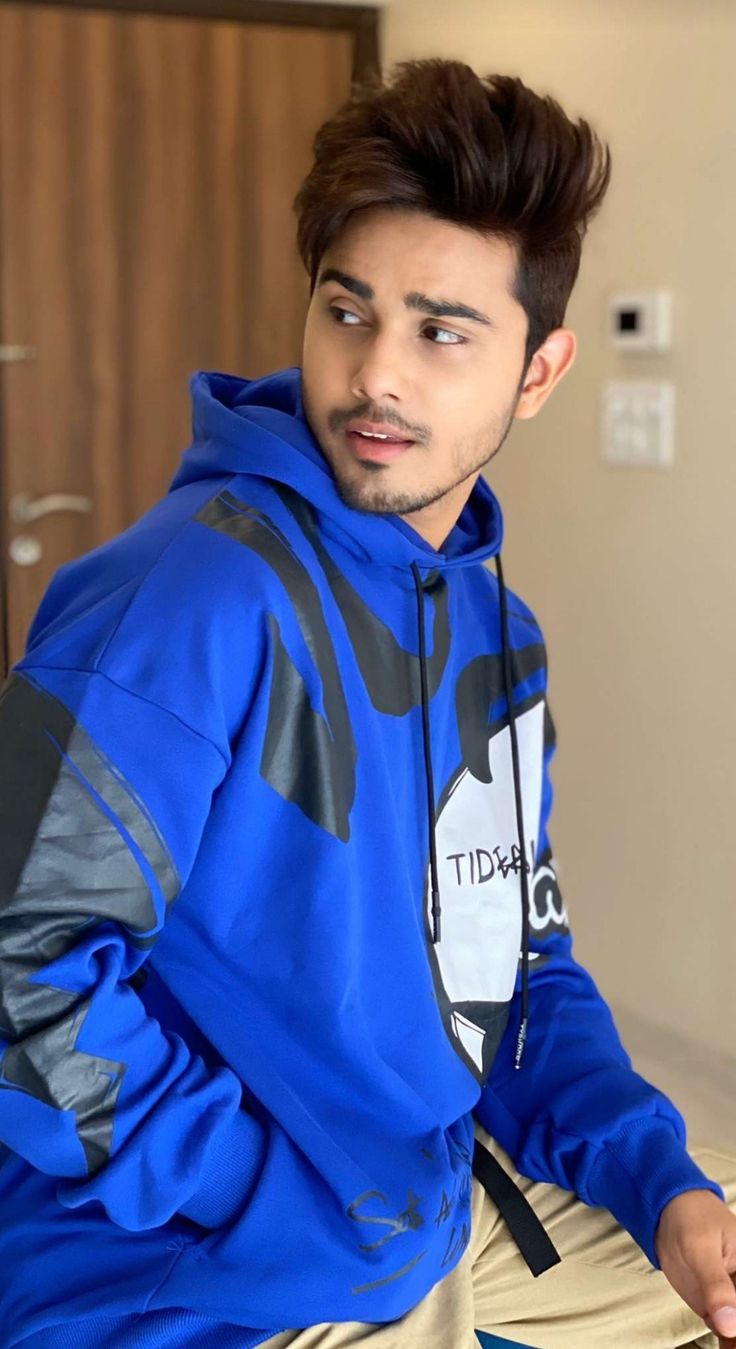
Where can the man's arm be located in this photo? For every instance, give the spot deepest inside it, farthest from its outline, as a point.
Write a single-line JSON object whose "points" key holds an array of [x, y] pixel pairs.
{"points": [[103, 800], [575, 1113]]}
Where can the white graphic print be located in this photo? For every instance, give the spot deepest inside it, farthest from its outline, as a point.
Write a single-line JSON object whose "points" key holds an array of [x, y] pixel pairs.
{"points": [[547, 912], [479, 868]]}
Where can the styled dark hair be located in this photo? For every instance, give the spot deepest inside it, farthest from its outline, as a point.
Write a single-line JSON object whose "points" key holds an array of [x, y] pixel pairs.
{"points": [[486, 152]]}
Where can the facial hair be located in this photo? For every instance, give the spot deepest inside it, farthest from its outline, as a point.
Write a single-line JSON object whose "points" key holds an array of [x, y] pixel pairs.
{"points": [[373, 499]]}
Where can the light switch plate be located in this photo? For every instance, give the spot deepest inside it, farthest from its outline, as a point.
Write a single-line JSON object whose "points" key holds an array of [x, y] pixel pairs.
{"points": [[640, 321], [638, 423]]}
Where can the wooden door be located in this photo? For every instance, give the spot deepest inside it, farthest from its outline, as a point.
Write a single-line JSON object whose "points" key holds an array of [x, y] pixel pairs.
{"points": [[147, 168]]}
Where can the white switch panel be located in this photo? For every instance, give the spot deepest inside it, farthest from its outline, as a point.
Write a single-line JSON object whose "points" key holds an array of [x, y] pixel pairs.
{"points": [[641, 321], [638, 422]]}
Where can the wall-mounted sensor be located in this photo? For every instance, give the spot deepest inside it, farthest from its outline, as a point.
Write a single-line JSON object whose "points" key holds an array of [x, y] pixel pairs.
{"points": [[641, 320]]}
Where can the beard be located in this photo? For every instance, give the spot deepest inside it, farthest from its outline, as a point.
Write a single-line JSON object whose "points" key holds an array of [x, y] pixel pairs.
{"points": [[368, 487]]}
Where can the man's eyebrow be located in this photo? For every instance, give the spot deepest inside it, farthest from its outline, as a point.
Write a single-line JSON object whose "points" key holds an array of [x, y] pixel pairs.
{"points": [[414, 300]]}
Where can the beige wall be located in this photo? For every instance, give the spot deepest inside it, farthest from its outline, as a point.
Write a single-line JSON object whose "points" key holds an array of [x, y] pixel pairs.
{"points": [[631, 572]]}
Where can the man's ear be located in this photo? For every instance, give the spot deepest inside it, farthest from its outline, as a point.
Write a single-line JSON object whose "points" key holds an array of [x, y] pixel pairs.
{"points": [[548, 365]]}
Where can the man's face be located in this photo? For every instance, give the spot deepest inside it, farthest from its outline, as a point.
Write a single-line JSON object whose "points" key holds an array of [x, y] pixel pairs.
{"points": [[450, 383]]}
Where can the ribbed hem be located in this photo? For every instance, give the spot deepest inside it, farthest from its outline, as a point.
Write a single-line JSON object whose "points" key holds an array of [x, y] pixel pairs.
{"points": [[638, 1172], [232, 1163], [149, 1330]]}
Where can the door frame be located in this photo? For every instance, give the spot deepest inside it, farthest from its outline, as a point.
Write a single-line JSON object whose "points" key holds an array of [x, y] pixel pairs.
{"points": [[362, 22]]}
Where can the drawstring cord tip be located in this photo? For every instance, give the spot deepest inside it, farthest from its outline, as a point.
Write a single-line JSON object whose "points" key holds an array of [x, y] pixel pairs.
{"points": [[520, 1042]]}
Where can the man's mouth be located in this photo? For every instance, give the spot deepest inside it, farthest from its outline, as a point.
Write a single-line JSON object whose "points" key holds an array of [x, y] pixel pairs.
{"points": [[376, 447]]}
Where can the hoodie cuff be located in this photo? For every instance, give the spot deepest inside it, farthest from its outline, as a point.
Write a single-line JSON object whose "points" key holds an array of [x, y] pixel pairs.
{"points": [[232, 1164], [638, 1172]]}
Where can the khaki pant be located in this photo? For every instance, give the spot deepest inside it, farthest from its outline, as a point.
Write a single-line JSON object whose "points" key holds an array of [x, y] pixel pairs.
{"points": [[604, 1294]]}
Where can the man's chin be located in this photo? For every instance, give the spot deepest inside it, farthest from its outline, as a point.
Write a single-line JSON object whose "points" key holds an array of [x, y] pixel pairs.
{"points": [[371, 499], [360, 498]]}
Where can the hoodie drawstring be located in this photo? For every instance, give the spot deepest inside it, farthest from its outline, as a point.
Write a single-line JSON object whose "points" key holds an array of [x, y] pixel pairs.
{"points": [[436, 907], [509, 692], [533, 1241]]}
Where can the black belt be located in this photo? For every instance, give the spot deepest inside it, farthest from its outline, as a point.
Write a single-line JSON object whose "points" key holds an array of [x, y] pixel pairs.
{"points": [[518, 1214]]}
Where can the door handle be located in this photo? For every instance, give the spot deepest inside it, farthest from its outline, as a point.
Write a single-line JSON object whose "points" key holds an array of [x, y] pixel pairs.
{"points": [[10, 353], [24, 509]]}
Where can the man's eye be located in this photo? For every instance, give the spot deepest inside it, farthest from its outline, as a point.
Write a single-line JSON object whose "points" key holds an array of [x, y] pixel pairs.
{"points": [[457, 340], [432, 327], [334, 309]]}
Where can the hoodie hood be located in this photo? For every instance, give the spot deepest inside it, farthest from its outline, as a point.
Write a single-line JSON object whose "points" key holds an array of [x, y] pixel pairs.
{"points": [[258, 426]]}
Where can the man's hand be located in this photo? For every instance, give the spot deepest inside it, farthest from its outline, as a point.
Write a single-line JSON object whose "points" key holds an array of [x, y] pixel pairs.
{"points": [[695, 1243]]}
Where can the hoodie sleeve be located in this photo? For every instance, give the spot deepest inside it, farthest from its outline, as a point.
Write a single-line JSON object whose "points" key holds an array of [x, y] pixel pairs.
{"points": [[103, 800], [575, 1113]]}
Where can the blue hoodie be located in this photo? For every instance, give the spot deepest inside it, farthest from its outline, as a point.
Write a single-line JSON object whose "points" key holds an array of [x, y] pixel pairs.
{"points": [[279, 913]]}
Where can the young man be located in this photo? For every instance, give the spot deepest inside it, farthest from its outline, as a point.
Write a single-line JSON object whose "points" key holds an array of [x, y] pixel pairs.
{"points": [[292, 1031]]}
